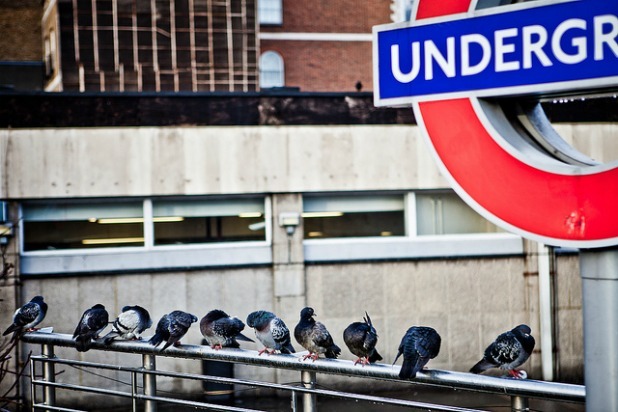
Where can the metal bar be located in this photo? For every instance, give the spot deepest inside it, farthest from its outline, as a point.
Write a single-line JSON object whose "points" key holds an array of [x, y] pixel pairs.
{"points": [[32, 386], [599, 272], [449, 379], [134, 391], [150, 382], [147, 398], [54, 408], [49, 375], [519, 404], [270, 385], [310, 400]]}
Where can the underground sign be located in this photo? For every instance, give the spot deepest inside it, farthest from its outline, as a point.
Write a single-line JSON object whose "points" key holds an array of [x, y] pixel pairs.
{"points": [[450, 58]]}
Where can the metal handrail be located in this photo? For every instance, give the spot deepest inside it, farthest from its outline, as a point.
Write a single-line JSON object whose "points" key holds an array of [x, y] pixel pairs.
{"points": [[442, 378]]}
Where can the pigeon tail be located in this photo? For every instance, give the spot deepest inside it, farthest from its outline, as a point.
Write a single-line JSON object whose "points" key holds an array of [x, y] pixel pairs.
{"points": [[167, 345], [83, 343], [374, 357], [289, 349], [410, 366], [107, 339], [156, 339], [240, 336], [12, 328], [333, 352], [482, 366]]}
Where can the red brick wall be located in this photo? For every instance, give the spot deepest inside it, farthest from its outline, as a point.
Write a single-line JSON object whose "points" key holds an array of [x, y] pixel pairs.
{"points": [[324, 66], [327, 65]]}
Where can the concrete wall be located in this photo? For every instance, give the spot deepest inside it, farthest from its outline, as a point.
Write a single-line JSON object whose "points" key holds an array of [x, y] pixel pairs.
{"points": [[145, 161]]}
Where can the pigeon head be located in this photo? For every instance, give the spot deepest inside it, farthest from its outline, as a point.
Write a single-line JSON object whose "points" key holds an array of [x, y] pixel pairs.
{"points": [[37, 299], [307, 313], [522, 333], [522, 330], [98, 306], [258, 318]]}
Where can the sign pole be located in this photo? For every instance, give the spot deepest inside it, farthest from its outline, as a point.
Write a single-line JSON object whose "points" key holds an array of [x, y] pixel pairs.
{"points": [[599, 272]]}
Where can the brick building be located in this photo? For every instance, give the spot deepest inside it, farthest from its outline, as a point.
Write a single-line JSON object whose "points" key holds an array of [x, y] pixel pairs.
{"points": [[196, 46], [321, 45]]}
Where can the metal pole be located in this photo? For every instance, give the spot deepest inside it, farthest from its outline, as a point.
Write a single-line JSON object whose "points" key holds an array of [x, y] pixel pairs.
{"points": [[310, 403], [49, 375], [519, 404], [134, 391], [545, 312], [150, 383], [599, 272]]}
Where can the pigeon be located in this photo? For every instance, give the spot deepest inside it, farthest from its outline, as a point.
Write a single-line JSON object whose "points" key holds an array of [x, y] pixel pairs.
{"points": [[510, 350], [171, 328], [222, 331], [131, 322], [418, 346], [93, 321], [361, 339], [314, 337], [271, 331], [27, 317]]}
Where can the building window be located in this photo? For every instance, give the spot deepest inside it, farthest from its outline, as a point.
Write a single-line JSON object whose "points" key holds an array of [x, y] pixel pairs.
{"points": [[353, 216], [76, 225], [444, 213], [270, 12], [82, 225], [207, 221], [271, 70]]}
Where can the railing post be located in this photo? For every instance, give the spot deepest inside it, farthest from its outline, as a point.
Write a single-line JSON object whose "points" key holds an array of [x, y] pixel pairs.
{"points": [[519, 404], [49, 375], [308, 379], [150, 382]]}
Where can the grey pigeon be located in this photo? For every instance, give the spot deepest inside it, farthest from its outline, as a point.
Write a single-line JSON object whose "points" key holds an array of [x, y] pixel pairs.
{"points": [[510, 350], [92, 322], [314, 337], [222, 331], [171, 328], [418, 346], [361, 338], [129, 324], [271, 331], [27, 317]]}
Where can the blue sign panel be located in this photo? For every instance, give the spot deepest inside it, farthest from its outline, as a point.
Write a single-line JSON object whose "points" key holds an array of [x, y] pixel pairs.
{"points": [[530, 48]]}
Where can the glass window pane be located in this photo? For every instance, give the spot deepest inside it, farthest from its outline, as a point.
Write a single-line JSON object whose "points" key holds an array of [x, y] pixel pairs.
{"points": [[270, 12], [207, 221], [445, 213], [80, 225], [353, 216], [271, 70]]}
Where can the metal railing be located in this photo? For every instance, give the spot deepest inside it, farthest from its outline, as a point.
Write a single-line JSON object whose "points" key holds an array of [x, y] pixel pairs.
{"points": [[518, 390]]}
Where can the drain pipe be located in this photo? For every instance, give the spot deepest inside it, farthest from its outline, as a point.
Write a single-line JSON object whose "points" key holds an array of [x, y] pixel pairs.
{"points": [[545, 313]]}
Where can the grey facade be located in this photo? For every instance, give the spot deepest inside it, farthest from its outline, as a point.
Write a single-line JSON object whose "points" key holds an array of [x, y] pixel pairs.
{"points": [[469, 286]]}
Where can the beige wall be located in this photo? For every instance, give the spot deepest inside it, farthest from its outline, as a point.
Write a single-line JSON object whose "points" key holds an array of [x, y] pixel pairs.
{"points": [[92, 162]]}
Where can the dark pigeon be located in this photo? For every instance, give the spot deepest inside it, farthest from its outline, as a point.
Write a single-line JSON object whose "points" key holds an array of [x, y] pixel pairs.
{"points": [[93, 321], [418, 346], [314, 337], [222, 331], [271, 331], [171, 328], [27, 317], [129, 324], [510, 350], [361, 339]]}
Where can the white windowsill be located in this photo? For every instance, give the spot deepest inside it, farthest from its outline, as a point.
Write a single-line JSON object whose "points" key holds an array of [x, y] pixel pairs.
{"points": [[469, 245]]}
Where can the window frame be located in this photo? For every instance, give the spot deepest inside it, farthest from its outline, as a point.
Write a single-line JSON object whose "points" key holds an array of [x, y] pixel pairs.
{"points": [[273, 22], [143, 258], [281, 69], [412, 245]]}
